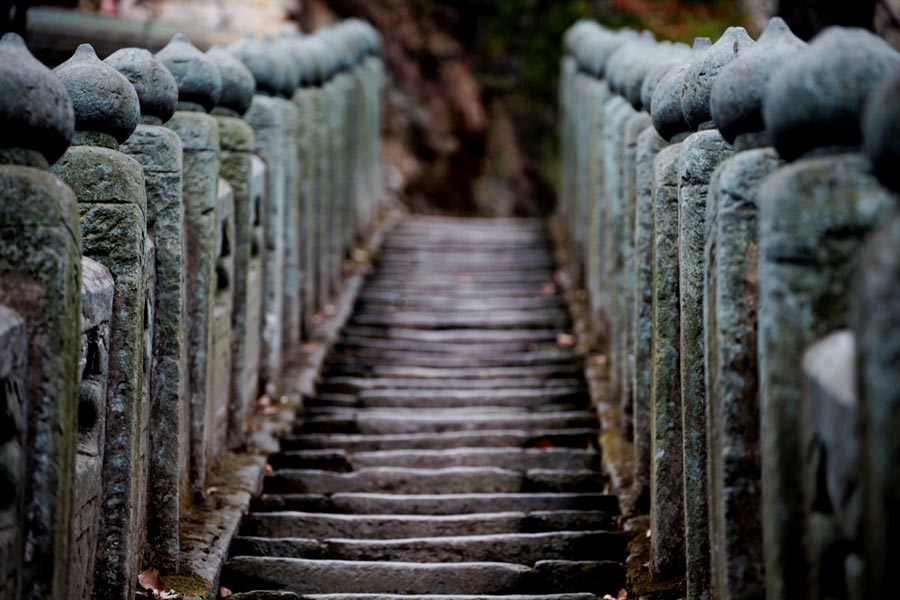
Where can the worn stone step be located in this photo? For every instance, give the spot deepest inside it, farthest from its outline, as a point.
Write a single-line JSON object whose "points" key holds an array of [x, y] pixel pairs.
{"points": [[449, 480], [505, 458], [565, 438], [467, 348], [521, 548], [350, 385], [361, 363], [548, 371], [451, 319], [439, 504], [398, 300], [434, 356], [582, 596], [305, 576], [449, 399], [457, 335], [344, 405], [385, 423]]}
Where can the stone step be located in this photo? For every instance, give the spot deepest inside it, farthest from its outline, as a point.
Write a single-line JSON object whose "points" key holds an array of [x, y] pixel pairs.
{"points": [[487, 319], [521, 548], [398, 300], [505, 458], [350, 385], [325, 525], [362, 363], [439, 504], [460, 336], [450, 480], [384, 423], [400, 399], [345, 405], [304, 576], [547, 371], [583, 596], [565, 438], [465, 348]]}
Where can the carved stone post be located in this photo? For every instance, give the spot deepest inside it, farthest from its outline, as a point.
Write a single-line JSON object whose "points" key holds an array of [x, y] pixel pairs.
{"points": [[266, 118], [730, 295], [199, 88], [40, 279], [813, 215], [111, 199], [159, 151]]}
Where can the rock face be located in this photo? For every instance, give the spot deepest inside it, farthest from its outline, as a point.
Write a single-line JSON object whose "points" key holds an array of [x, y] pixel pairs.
{"points": [[112, 201]]}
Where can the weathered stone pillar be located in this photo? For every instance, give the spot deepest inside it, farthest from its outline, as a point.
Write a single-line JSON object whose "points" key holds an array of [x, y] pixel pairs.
{"points": [[875, 310], [730, 304], [266, 118], [220, 364], [159, 151], [97, 292], [111, 199], [199, 88], [701, 153], [40, 279], [238, 145], [813, 216]]}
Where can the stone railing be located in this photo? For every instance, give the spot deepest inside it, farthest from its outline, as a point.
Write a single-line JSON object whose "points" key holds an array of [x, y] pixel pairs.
{"points": [[159, 276], [732, 212]]}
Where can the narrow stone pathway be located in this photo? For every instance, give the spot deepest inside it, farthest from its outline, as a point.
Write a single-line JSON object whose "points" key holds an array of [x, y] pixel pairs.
{"points": [[451, 449]]}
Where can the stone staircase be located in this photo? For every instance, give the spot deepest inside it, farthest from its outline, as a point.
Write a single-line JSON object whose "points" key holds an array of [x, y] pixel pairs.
{"points": [[451, 449]]}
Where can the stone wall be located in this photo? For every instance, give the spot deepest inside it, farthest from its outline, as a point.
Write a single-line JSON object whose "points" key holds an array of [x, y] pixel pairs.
{"points": [[162, 220], [730, 212]]}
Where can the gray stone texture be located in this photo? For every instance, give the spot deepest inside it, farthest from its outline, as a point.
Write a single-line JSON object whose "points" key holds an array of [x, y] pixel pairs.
{"points": [[731, 292], [40, 279], [597, 97], [112, 203], [665, 101], [881, 130], [667, 468], [14, 394], [97, 291], [875, 311], [648, 146], [813, 217], [304, 99], [700, 154]]}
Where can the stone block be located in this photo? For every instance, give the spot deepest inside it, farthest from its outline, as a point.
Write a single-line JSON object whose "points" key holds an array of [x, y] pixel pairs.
{"points": [[598, 95], [731, 292], [667, 470], [14, 404], [304, 99], [97, 291], [219, 364], [323, 197]]}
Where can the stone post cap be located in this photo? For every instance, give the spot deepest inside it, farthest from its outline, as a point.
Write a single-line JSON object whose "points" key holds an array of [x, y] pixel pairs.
{"points": [[666, 59], [625, 55], [198, 78], [35, 112], [363, 34], [581, 27], [737, 94], [285, 69], [104, 100], [238, 84], [304, 62], [156, 88], [316, 52], [665, 103], [259, 62], [326, 53], [881, 131], [816, 99], [703, 71], [594, 49]]}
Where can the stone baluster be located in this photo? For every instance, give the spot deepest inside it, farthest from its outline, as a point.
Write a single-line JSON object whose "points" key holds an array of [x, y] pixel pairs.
{"points": [[700, 154], [813, 216], [199, 87], [730, 304], [14, 390], [239, 167], [110, 189], [344, 128], [640, 329], [377, 80], [159, 151], [97, 292], [667, 468], [220, 364], [875, 311], [288, 79], [267, 119], [40, 279]]}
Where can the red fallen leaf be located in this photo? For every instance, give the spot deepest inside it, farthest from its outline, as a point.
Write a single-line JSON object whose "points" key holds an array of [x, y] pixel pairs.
{"points": [[548, 289], [264, 401], [623, 594], [224, 592], [150, 580], [565, 339], [543, 444], [269, 469]]}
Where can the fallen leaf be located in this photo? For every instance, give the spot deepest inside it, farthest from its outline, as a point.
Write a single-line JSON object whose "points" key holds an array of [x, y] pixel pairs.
{"points": [[150, 580], [264, 401], [543, 444], [608, 597], [623, 594], [269, 469], [548, 289], [565, 339], [211, 490], [224, 592], [649, 533]]}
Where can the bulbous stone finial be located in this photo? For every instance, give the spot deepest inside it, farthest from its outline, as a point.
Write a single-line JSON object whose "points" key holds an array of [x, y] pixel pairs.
{"points": [[622, 62], [703, 71], [737, 94], [329, 55], [581, 27], [251, 52], [104, 100], [598, 48], [881, 131], [154, 84], [238, 85], [35, 112], [199, 81], [665, 103], [283, 62], [316, 70], [816, 100]]}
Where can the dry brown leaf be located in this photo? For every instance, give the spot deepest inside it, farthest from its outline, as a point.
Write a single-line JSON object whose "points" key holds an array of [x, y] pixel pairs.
{"points": [[548, 289], [224, 592], [150, 580], [269, 469], [565, 339], [623, 594], [264, 401]]}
